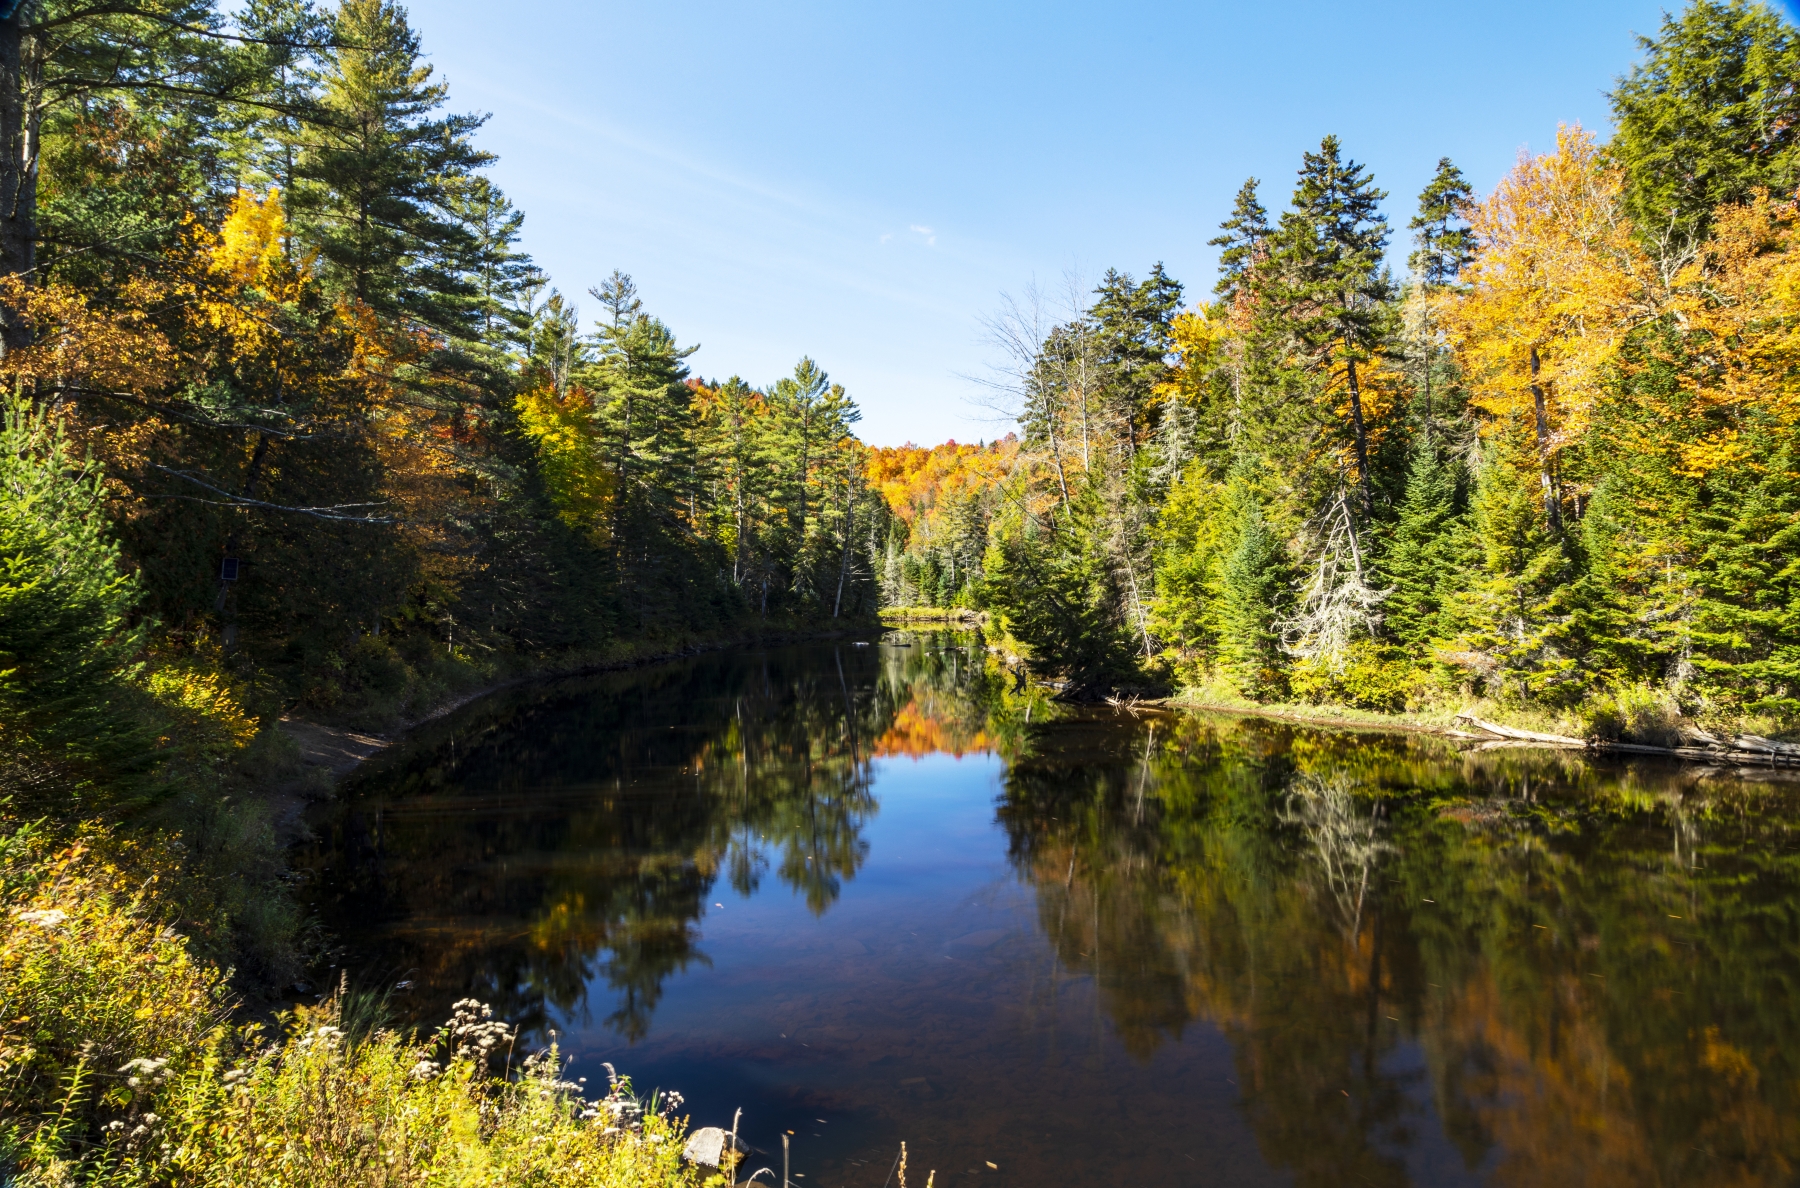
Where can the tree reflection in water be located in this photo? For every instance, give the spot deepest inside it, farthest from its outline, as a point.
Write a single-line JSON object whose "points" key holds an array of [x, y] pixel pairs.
{"points": [[555, 842], [1581, 974]]}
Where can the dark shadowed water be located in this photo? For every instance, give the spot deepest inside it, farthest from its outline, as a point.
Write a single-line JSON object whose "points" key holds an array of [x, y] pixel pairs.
{"points": [[874, 893]]}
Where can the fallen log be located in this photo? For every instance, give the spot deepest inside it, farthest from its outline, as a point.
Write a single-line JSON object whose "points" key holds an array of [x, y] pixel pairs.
{"points": [[1744, 751], [1755, 742], [1554, 740], [1647, 749]]}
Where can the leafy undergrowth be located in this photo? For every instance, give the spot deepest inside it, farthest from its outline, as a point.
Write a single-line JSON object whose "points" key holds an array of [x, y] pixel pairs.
{"points": [[120, 1065]]}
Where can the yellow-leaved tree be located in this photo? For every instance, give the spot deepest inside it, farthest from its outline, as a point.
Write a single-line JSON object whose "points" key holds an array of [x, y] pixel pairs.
{"points": [[577, 479], [1557, 283], [1738, 303]]}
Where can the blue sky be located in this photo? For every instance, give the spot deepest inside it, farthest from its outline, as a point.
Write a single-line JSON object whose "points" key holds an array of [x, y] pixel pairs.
{"points": [[861, 182]]}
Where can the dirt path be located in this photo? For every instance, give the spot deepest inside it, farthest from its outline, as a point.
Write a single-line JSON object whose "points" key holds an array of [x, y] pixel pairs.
{"points": [[337, 751]]}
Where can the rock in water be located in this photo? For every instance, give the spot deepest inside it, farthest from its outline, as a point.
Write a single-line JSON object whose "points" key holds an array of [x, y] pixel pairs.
{"points": [[707, 1145]]}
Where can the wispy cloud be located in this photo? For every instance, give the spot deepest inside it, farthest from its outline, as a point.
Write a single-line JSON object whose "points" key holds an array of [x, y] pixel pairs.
{"points": [[925, 233]]}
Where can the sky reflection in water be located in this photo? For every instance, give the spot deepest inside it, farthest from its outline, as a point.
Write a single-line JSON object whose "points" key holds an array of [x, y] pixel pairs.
{"points": [[879, 887]]}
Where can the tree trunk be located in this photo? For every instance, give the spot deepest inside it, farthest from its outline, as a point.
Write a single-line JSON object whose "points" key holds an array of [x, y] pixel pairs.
{"points": [[849, 524], [1361, 431], [18, 174], [1552, 504]]}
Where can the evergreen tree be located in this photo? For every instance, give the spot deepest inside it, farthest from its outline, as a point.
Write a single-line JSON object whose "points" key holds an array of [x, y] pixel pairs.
{"points": [[1062, 600], [65, 637], [1131, 335], [377, 180], [643, 411], [1243, 242], [1421, 550], [1328, 292], [1444, 242], [1510, 608], [283, 44], [1623, 616], [138, 86], [1253, 594], [499, 275], [1191, 532], [1443, 245], [1746, 620], [737, 455], [811, 415], [1711, 113]]}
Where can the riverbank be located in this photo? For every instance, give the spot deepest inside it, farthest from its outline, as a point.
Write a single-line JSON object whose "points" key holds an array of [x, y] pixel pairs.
{"points": [[1662, 734], [957, 616], [336, 751]]}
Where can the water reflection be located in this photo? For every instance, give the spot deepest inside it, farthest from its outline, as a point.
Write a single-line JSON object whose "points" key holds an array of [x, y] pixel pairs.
{"points": [[1427, 964], [1580, 974], [552, 844]]}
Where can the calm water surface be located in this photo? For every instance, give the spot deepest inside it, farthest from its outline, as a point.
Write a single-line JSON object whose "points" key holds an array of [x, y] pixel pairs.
{"points": [[873, 893]]}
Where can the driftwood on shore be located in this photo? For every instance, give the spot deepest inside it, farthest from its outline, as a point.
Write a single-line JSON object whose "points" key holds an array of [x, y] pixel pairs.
{"points": [[1513, 732], [1743, 750]]}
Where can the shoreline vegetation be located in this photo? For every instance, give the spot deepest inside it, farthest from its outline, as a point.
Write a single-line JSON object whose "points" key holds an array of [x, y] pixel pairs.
{"points": [[294, 429], [953, 615], [1498, 724]]}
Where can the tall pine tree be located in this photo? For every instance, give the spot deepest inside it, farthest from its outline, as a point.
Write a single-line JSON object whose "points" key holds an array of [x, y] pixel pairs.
{"points": [[377, 180], [1329, 293], [1710, 114]]}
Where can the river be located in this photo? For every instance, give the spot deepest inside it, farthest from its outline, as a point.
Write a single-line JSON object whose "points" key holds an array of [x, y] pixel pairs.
{"points": [[869, 892]]}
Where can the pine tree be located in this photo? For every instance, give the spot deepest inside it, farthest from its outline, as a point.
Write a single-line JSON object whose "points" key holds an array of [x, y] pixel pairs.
{"points": [[1253, 594], [1444, 243], [376, 181], [283, 43], [1244, 242], [500, 276], [812, 414], [1421, 550], [1710, 114]]}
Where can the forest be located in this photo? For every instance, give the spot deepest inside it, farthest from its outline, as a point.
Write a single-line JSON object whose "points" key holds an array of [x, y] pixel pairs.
{"points": [[293, 426], [1550, 468]]}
